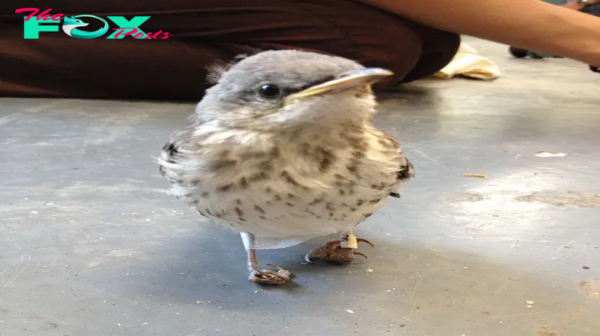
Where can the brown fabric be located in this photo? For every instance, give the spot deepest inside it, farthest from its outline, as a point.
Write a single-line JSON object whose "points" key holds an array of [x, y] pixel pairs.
{"points": [[202, 33]]}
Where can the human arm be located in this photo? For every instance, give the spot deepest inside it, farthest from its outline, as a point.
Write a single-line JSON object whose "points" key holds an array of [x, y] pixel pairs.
{"points": [[529, 24]]}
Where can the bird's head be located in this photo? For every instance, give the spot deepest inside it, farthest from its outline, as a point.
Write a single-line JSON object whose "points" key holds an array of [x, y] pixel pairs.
{"points": [[279, 89]]}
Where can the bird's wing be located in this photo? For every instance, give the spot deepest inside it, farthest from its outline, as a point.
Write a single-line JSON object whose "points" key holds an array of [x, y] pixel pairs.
{"points": [[171, 156], [405, 173], [405, 168]]}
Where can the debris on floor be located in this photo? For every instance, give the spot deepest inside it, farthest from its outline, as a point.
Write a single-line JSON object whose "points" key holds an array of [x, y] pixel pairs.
{"points": [[590, 287], [546, 331], [470, 64], [550, 154], [475, 175]]}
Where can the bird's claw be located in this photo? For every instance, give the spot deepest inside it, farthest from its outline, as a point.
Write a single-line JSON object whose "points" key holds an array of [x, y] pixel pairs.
{"points": [[361, 240], [335, 253], [269, 277]]}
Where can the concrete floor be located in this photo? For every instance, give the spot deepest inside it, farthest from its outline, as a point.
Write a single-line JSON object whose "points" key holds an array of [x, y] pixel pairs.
{"points": [[92, 245]]}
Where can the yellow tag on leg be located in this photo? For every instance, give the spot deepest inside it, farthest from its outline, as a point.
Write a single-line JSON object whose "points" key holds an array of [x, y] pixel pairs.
{"points": [[349, 241]]}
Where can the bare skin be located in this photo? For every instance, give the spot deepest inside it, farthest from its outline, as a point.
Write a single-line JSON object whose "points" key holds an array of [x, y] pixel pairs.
{"points": [[527, 24]]}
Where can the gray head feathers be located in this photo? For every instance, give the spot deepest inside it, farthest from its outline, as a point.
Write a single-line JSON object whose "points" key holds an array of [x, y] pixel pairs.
{"points": [[290, 69], [216, 71], [251, 91]]}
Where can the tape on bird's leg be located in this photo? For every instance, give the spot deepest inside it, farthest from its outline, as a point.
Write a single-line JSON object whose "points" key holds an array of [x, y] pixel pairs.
{"points": [[349, 241]]}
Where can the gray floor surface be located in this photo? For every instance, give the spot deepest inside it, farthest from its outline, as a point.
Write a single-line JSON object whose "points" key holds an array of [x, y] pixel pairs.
{"points": [[91, 244]]}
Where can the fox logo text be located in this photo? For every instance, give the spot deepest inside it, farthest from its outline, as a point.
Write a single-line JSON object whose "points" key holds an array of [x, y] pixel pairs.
{"points": [[35, 23]]}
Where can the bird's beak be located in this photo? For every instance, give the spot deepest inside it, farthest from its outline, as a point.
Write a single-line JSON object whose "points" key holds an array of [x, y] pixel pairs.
{"points": [[350, 79]]}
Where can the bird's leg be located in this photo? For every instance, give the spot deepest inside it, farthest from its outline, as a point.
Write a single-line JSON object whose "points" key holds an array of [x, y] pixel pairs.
{"points": [[338, 251], [259, 275]]}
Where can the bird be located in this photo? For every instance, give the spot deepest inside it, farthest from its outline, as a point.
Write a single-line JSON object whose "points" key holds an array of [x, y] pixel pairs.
{"points": [[282, 149]]}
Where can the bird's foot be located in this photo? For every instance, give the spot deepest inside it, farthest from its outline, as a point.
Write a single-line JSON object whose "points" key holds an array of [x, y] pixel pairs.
{"points": [[335, 253], [270, 277]]}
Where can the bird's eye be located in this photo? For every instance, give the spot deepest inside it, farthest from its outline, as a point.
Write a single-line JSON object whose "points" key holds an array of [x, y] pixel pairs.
{"points": [[269, 91]]}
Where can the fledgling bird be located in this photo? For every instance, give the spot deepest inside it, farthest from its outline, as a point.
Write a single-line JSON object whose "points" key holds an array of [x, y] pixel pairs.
{"points": [[282, 149]]}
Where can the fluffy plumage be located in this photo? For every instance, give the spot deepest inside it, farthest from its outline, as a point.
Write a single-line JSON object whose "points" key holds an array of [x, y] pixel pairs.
{"points": [[284, 172]]}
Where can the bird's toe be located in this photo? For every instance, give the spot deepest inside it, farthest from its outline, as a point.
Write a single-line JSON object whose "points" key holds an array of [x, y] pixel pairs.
{"points": [[269, 277], [333, 252]]}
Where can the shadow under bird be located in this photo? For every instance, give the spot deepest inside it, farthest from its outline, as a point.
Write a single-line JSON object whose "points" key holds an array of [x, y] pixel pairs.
{"points": [[282, 149]]}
